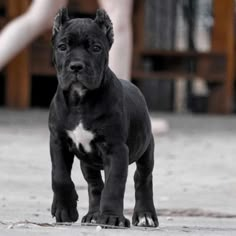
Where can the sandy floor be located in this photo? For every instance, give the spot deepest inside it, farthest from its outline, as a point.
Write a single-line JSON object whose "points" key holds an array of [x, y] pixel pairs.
{"points": [[194, 177]]}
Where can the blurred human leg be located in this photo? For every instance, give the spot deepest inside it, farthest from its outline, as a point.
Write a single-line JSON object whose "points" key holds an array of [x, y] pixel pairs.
{"points": [[25, 28], [120, 13], [120, 57]]}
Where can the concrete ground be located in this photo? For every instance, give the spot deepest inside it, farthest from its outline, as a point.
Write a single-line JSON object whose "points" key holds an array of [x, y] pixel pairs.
{"points": [[194, 178]]}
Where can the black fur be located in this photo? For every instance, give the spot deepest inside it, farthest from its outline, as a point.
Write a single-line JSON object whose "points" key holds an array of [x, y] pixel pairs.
{"points": [[113, 110]]}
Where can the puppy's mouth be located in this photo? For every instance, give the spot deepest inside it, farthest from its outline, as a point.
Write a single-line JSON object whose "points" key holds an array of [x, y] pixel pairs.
{"points": [[76, 81], [85, 81]]}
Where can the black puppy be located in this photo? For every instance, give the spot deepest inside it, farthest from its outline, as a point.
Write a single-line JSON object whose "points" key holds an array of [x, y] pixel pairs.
{"points": [[103, 121]]}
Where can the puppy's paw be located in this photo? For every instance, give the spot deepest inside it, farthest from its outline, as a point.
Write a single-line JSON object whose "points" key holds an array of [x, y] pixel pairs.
{"points": [[111, 220], [64, 211], [146, 219], [90, 218], [64, 214]]}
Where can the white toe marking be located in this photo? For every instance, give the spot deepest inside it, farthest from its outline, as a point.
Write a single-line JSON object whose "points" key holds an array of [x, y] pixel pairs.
{"points": [[150, 221], [142, 221], [81, 136]]}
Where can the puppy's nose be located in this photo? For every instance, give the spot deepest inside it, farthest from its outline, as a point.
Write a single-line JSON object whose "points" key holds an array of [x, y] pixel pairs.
{"points": [[76, 66]]}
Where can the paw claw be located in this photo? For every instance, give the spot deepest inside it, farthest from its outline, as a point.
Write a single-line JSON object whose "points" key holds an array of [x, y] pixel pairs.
{"points": [[90, 218], [64, 211], [108, 220], [145, 220]]}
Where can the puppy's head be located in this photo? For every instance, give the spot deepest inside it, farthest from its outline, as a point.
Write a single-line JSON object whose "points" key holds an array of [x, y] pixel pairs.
{"points": [[80, 48]]}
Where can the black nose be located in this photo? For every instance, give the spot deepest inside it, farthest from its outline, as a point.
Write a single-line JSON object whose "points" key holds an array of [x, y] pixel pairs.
{"points": [[76, 66]]}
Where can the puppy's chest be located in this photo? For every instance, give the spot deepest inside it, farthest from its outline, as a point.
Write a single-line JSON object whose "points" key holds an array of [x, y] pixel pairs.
{"points": [[81, 137]]}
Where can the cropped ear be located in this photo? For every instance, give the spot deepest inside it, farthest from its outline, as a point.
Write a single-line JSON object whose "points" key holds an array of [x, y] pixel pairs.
{"points": [[105, 24], [60, 19]]}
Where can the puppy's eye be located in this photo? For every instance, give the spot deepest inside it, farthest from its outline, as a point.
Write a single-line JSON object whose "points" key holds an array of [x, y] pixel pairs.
{"points": [[62, 47], [96, 48]]}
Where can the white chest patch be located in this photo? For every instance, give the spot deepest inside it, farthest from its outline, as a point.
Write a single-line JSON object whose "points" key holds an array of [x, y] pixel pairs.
{"points": [[81, 136]]}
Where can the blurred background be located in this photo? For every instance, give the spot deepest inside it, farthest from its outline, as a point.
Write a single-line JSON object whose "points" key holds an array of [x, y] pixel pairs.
{"points": [[183, 61], [183, 56]]}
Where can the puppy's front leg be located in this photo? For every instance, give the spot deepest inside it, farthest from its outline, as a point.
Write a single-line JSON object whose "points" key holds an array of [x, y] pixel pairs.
{"points": [[64, 205], [116, 169]]}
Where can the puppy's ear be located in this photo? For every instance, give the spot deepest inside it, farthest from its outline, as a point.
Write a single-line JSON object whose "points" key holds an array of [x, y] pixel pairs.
{"points": [[104, 22], [60, 19]]}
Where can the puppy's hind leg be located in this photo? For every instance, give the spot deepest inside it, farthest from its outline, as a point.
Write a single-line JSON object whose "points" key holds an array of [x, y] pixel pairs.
{"points": [[95, 187], [144, 210]]}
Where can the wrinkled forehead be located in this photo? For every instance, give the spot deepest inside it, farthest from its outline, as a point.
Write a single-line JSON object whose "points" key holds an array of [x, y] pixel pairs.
{"points": [[80, 30]]}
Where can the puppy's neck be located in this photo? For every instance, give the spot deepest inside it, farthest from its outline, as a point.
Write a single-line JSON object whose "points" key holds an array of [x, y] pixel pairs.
{"points": [[73, 97]]}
